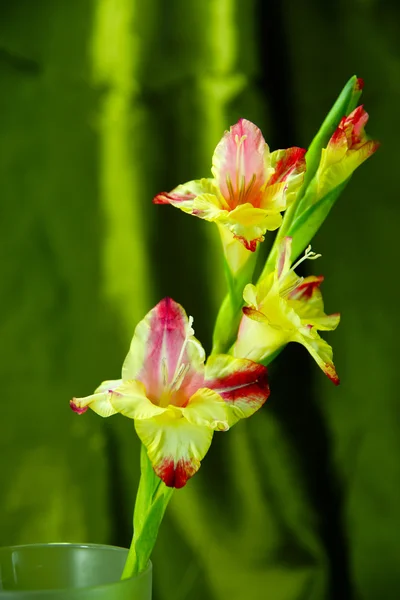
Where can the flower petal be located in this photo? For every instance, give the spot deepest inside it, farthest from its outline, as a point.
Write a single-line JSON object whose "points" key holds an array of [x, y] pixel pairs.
{"points": [[239, 164], [289, 169], [236, 253], [164, 355], [306, 300], [249, 224], [320, 350], [208, 409], [184, 196], [175, 447], [339, 171], [267, 324], [346, 150], [100, 401], [241, 383], [284, 257], [130, 400]]}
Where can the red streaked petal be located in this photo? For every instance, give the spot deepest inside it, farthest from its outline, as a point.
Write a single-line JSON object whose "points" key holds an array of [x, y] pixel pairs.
{"points": [[288, 174], [287, 163], [350, 131], [249, 245], [163, 350], [175, 447], [353, 126], [170, 198], [200, 198], [239, 164], [241, 383], [307, 288]]}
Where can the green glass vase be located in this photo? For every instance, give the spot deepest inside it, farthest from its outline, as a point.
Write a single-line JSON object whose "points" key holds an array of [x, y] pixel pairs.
{"points": [[69, 571]]}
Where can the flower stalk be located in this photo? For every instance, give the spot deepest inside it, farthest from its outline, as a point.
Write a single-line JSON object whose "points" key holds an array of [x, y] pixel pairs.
{"points": [[176, 397]]}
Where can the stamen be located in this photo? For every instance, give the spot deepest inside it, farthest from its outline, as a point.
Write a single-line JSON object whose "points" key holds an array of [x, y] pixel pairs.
{"points": [[240, 167], [285, 292], [180, 376], [308, 255], [230, 189]]}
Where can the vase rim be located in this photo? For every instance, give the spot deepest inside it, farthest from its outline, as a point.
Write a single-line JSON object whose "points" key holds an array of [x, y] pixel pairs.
{"points": [[74, 545]]}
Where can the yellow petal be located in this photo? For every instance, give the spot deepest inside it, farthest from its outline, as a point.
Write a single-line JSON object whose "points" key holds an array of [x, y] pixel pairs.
{"points": [[207, 408], [320, 350], [175, 447], [100, 401], [249, 223], [130, 400]]}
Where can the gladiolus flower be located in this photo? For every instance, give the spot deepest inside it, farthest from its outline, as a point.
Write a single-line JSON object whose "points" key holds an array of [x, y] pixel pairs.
{"points": [[176, 401], [249, 189], [286, 308], [346, 150]]}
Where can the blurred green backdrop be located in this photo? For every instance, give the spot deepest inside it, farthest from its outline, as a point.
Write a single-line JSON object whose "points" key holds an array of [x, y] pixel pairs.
{"points": [[104, 103]]}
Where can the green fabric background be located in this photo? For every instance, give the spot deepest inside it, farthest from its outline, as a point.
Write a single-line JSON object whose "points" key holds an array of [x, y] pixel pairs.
{"points": [[103, 104]]}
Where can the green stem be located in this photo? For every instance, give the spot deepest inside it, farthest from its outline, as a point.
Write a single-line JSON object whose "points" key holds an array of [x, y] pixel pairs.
{"points": [[151, 502], [230, 312]]}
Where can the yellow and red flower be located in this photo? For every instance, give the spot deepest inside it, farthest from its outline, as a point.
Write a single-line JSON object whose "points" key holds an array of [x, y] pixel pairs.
{"points": [[346, 150], [250, 187], [176, 401], [284, 308]]}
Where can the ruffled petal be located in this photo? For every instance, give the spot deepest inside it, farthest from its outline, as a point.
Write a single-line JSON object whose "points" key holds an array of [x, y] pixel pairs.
{"points": [[308, 291], [206, 408], [175, 447], [100, 401], [239, 164], [320, 350], [289, 169], [242, 384], [130, 400], [165, 356], [306, 300]]}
